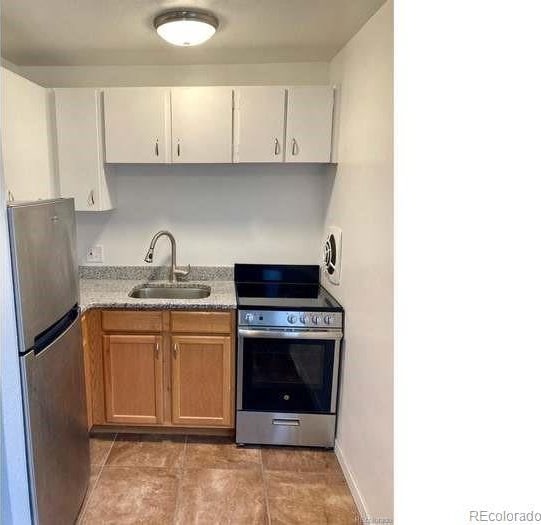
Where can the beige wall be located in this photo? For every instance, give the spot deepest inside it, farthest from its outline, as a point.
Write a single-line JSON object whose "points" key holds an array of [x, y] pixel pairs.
{"points": [[362, 205], [209, 74]]}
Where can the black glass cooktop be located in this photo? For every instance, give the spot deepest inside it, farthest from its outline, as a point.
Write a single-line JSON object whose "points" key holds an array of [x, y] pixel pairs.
{"points": [[282, 287]]}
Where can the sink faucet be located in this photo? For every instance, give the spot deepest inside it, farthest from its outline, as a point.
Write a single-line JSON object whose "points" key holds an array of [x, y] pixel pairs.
{"points": [[174, 270]]}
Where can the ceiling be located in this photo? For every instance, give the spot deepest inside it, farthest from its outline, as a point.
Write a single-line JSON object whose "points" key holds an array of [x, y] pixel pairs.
{"points": [[120, 32]]}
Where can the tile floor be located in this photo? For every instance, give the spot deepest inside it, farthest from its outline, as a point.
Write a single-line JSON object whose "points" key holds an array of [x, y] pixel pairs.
{"points": [[148, 479]]}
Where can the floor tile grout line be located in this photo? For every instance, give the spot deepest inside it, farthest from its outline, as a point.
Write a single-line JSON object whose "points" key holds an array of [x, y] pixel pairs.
{"points": [[265, 491], [181, 473], [185, 451], [109, 451], [81, 516], [176, 512]]}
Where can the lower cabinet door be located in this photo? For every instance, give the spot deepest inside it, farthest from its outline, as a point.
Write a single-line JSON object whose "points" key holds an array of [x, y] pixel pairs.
{"points": [[201, 381], [133, 369]]}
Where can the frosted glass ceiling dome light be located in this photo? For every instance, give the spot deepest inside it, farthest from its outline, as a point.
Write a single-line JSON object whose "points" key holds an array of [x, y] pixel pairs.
{"points": [[185, 28]]}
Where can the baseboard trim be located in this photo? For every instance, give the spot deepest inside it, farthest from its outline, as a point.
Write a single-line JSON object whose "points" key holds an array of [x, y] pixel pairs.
{"points": [[352, 484]]}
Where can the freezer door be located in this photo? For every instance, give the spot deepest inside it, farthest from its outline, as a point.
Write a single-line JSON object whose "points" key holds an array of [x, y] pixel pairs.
{"points": [[55, 419], [43, 251]]}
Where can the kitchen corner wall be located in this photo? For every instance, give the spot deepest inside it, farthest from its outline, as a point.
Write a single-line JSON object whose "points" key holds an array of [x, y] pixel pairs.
{"points": [[220, 214], [362, 205]]}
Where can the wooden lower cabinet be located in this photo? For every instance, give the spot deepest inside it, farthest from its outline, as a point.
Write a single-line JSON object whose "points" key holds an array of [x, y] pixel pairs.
{"points": [[160, 369], [85, 326], [201, 380], [133, 374]]}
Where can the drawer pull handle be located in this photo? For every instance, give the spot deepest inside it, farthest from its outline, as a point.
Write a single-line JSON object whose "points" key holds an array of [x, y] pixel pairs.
{"points": [[287, 422], [156, 149]]}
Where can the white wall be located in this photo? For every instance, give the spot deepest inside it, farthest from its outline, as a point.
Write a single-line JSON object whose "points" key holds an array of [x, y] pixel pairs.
{"points": [[13, 480], [194, 75], [362, 204], [220, 214]]}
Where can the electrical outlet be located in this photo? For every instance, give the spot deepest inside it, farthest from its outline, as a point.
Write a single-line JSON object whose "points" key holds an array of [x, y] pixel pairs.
{"points": [[95, 254]]}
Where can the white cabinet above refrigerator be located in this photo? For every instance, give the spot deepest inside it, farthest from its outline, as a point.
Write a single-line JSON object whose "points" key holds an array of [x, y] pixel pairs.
{"points": [[79, 129], [26, 139]]}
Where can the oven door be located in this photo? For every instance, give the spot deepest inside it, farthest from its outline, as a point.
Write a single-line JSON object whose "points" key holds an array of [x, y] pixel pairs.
{"points": [[288, 371]]}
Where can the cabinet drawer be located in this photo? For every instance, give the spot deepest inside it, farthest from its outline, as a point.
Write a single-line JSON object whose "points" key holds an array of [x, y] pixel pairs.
{"points": [[201, 322], [131, 321]]}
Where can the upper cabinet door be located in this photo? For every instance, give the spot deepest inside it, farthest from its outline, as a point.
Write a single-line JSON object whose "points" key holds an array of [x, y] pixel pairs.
{"points": [[202, 124], [259, 128], [309, 124], [137, 125], [26, 133], [79, 132]]}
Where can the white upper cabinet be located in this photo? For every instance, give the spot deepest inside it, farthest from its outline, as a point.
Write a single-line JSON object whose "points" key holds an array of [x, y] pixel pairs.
{"points": [[201, 124], [79, 133], [26, 139], [137, 125], [259, 124], [309, 124], [218, 124]]}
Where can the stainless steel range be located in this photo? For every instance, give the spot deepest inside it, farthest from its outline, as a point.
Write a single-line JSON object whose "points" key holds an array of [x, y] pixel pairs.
{"points": [[289, 338]]}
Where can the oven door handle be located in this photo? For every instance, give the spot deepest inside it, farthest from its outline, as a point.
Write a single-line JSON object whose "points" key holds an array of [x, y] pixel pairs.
{"points": [[286, 334]]}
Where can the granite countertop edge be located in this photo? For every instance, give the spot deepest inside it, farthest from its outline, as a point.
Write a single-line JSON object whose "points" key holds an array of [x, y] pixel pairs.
{"points": [[152, 306], [113, 294]]}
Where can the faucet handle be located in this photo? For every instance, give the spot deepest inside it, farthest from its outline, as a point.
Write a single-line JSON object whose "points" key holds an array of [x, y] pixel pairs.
{"points": [[182, 273]]}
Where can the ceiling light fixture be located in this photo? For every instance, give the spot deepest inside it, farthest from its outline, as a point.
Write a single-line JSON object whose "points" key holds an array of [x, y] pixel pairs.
{"points": [[185, 27]]}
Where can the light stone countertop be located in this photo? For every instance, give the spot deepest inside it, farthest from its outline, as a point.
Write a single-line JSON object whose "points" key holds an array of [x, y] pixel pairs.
{"points": [[113, 293]]}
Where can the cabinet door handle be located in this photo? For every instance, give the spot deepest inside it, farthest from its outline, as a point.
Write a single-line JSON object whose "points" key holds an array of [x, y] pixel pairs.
{"points": [[175, 349], [91, 198], [178, 148], [10, 196], [157, 348], [157, 149], [276, 147], [294, 147]]}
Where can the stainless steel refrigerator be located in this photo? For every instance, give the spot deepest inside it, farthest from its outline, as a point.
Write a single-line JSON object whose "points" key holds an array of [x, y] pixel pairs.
{"points": [[45, 273]]}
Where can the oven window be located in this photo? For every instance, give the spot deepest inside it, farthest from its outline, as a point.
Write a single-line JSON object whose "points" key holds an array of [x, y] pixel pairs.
{"points": [[287, 375]]}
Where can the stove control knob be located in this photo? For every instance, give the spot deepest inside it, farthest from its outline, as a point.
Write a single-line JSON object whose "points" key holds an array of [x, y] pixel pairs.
{"points": [[302, 319], [249, 318], [328, 319], [291, 319], [316, 319]]}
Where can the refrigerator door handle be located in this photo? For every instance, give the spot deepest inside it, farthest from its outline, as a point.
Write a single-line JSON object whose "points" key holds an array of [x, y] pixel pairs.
{"points": [[50, 335]]}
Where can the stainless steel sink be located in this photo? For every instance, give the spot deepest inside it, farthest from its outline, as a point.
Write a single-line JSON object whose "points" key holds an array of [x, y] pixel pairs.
{"points": [[171, 292]]}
